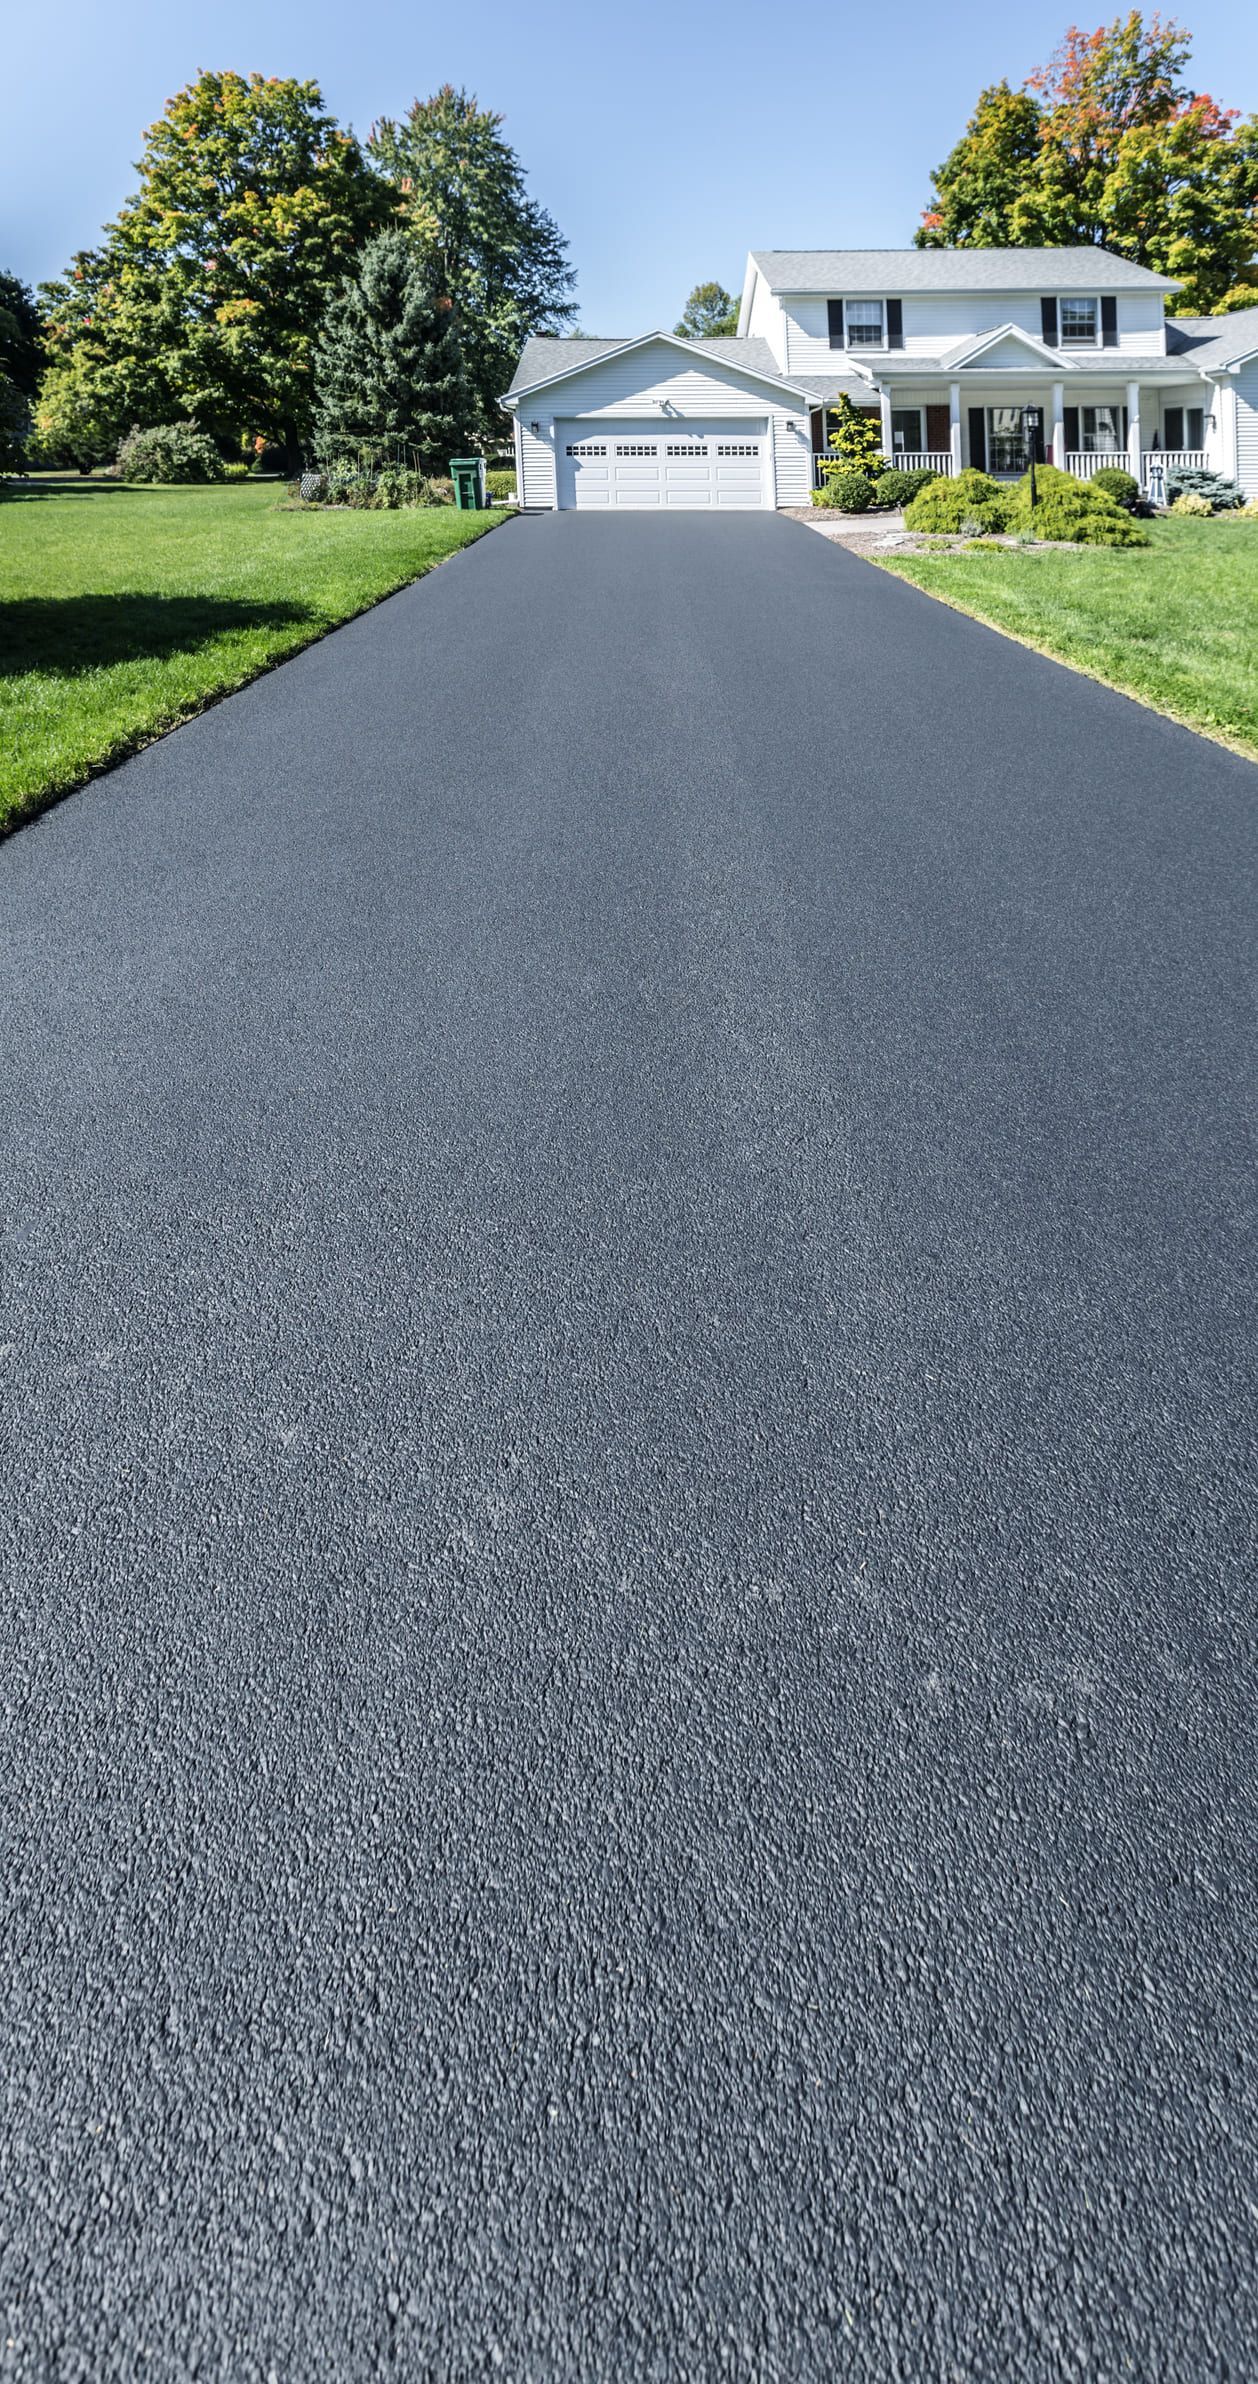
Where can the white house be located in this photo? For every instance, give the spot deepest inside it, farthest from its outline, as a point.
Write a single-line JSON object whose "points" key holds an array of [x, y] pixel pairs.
{"points": [[946, 346]]}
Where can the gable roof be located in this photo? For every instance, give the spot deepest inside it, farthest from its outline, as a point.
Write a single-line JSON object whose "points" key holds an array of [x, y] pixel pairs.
{"points": [[979, 344], [546, 360], [1214, 341], [874, 271]]}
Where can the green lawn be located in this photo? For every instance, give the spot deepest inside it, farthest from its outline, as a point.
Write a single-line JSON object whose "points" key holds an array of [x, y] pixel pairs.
{"points": [[1175, 624], [124, 610]]}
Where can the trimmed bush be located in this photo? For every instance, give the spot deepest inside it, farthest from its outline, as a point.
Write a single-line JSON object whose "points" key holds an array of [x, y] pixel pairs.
{"points": [[1194, 481], [848, 488], [1075, 512], [1191, 502], [895, 487], [500, 482], [171, 451], [1122, 486], [970, 502], [235, 471]]}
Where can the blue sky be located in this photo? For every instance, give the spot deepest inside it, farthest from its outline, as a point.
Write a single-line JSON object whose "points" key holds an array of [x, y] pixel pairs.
{"points": [[664, 149]]}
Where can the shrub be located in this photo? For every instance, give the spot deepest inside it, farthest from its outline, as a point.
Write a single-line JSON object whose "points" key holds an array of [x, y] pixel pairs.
{"points": [[856, 437], [1247, 512], [849, 488], [1076, 512], [894, 487], [170, 451], [1122, 486], [1191, 502], [1193, 480], [438, 491], [970, 502], [500, 482]]}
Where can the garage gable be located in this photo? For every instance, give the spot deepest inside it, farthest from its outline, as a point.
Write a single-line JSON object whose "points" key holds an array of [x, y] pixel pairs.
{"points": [[658, 423]]}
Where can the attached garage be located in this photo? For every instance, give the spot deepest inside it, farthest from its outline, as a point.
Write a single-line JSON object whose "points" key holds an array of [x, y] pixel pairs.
{"points": [[658, 425], [688, 465]]}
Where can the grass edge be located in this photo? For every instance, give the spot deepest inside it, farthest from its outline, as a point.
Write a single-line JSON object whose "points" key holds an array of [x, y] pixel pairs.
{"points": [[1215, 736], [123, 749]]}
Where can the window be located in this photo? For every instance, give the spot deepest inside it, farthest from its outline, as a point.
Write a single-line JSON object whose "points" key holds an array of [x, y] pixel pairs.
{"points": [[1184, 427], [635, 449], [1104, 429], [864, 323], [906, 429], [749, 449], [1078, 322], [686, 447], [587, 447]]}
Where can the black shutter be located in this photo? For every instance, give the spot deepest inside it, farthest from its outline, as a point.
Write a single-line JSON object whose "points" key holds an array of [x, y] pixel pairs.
{"points": [[1048, 322], [1070, 425], [978, 439], [895, 323], [1109, 322], [834, 319]]}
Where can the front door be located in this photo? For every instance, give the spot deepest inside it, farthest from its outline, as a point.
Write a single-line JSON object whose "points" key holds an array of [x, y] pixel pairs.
{"points": [[1008, 447]]}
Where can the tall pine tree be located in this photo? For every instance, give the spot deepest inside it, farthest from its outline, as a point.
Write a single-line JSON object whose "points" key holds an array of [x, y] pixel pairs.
{"points": [[460, 190], [389, 365]]}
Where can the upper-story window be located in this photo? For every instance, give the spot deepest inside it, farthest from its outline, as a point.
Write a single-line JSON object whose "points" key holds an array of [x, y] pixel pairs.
{"points": [[1078, 322], [865, 328], [865, 322]]}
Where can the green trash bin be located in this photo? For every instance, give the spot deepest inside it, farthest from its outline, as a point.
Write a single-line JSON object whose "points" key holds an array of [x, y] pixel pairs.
{"points": [[468, 474]]}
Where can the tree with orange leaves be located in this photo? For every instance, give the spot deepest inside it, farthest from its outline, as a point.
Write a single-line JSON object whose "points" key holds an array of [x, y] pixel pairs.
{"points": [[1108, 146]]}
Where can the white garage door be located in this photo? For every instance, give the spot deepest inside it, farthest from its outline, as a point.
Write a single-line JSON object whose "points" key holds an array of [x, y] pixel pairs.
{"points": [[664, 467]]}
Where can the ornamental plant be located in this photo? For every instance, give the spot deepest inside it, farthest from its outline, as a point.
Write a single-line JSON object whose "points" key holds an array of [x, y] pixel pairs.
{"points": [[1074, 512], [171, 451], [969, 502], [856, 438]]}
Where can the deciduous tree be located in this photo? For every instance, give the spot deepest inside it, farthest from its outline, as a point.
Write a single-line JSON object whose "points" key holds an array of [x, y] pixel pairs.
{"points": [[206, 295], [1108, 145], [709, 313]]}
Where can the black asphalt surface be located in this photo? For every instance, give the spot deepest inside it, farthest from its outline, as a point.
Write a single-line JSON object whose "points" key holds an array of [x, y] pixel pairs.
{"points": [[627, 1645]]}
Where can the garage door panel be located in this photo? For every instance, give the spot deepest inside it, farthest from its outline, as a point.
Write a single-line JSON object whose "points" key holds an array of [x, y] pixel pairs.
{"points": [[647, 466]]}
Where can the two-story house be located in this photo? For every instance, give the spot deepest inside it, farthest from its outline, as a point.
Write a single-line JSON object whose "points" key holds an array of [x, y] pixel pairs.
{"points": [[949, 348]]}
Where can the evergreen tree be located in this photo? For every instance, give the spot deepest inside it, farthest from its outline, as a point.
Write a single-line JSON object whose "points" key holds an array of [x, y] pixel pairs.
{"points": [[21, 336], [460, 191], [389, 365]]}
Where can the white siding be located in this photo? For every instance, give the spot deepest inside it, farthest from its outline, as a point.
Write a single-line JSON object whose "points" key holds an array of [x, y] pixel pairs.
{"points": [[933, 323], [766, 317], [637, 386], [1247, 428]]}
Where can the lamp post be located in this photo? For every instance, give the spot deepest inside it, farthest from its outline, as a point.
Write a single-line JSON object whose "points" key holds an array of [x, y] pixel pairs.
{"points": [[1031, 420]]}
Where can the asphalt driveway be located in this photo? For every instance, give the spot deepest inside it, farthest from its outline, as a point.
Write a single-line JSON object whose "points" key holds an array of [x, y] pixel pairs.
{"points": [[626, 1649]]}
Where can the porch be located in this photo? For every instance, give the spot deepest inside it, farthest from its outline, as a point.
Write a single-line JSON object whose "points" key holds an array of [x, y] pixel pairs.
{"points": [[1138, 428]]}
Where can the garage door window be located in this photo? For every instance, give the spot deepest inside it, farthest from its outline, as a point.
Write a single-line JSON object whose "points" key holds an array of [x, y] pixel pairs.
{"points": [[647, 451], [736, 450], [587, 447]]}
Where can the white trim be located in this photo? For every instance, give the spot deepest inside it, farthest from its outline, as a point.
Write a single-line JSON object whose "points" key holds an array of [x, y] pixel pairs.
{"points": [[649, 339], [984, 340]]}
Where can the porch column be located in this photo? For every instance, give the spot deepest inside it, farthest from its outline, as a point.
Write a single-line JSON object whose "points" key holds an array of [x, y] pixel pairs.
{"points": [[1135, 460], [884, 408], [1059, 425], [954, 424]]}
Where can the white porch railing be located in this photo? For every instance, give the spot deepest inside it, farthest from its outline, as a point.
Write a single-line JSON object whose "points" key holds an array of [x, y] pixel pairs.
{"points": [[916, 459], [1174, 459], [1082, 467]]}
